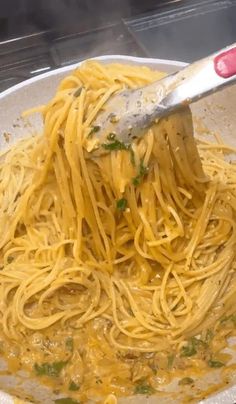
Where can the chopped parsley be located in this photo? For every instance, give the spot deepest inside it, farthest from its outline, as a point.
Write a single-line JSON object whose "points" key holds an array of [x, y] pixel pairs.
{"points": [[115, 145], [73, 386], [66, 400], [215, 364], [78, 92], [188, 350], [49, 369], [191, 348], [144, 388], [121, 204], [185, 381], [93, 130], [143, 170], [70, 344]]}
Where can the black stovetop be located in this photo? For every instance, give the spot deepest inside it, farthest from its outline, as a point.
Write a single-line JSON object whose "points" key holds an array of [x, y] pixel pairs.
{"points": [[37, 36]]}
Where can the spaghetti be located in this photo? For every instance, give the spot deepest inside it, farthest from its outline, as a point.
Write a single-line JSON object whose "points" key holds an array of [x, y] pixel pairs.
{"points": [[111, 264]]}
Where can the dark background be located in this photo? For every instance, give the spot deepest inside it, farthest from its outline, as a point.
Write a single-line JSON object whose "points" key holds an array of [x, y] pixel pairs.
{"points": [[40, 35]]}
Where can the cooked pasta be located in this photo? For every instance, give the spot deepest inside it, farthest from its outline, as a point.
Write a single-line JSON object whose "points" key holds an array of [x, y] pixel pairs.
{"points": [[114, 264]]}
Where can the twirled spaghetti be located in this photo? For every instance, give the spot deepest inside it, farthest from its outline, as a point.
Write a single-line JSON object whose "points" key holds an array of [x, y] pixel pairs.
{"points": [[112, 264]]}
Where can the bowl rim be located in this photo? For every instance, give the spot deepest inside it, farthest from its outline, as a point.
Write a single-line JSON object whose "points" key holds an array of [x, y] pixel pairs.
{"points": [[115, 58]]}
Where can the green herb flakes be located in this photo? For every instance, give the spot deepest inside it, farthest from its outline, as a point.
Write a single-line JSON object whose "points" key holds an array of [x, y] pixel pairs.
{"points": [[142, 169], [136, 181], [132, 157], [73, 386], [144, 388], [78, 92], [142, 172], [93, 130], [188, 350], [49, 369], [115, 145], [191, 348], [215, 364], [185, 381], [66, 400], [121, 204]]}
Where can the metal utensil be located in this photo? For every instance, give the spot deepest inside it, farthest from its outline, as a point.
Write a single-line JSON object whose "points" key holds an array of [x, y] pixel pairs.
{"points": [[129, 113]]}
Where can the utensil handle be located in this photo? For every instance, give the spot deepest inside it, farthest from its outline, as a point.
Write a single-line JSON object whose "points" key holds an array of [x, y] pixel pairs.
{"points": [[225, 63], [201, 78]]}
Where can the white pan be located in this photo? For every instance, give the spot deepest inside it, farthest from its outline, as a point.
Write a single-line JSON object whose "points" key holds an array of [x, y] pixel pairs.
{"points": [[215, 113]]}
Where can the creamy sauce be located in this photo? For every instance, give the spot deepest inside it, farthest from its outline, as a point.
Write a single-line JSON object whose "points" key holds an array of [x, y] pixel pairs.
{"points": [[83, 366]]}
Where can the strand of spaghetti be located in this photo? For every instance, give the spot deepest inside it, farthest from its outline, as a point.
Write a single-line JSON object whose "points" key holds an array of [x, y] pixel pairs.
{"points": [[100, 104], [188, 302], [160, 345], [205, 301], [138, 314], [163, 301], [118, 323], [210, 146], [91, 192]]}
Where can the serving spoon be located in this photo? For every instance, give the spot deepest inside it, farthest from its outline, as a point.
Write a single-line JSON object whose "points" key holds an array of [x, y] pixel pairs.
{"points": [[128, 114]]}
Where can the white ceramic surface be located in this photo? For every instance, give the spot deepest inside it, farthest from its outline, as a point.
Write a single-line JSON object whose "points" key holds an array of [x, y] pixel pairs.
{"points": [[215, 113]]}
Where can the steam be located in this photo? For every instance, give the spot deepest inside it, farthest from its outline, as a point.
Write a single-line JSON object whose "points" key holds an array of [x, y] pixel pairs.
{"points": [[83, 29]]}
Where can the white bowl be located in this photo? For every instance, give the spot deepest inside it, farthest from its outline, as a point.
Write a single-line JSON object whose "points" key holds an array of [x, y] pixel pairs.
{"points": [[216, 113]]}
